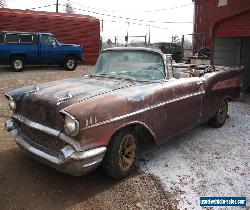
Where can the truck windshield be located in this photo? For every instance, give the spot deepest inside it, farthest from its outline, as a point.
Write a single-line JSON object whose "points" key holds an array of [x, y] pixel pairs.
{"points": [[131, 64]]}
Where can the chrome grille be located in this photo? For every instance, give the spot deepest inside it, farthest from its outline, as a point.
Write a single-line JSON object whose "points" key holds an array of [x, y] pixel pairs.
{"points": [[42, 138]]}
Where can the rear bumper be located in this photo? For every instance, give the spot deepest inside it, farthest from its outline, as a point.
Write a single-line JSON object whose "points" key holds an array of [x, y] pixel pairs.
{"points": [[67, 160]]}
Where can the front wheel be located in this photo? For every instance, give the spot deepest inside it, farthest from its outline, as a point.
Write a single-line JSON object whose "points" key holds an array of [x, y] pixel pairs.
{"points": [[17, 63], [119, 159], [220, 116], [70, 63]]}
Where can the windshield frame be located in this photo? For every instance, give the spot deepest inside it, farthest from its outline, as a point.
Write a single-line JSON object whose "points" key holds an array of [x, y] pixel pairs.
{"points": [[142, 49]]}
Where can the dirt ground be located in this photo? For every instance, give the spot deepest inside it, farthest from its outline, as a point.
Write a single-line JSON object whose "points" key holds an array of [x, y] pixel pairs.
{"points": [[28, 184]]}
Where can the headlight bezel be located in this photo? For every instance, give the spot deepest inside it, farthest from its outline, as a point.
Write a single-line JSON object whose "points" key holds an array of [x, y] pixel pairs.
{"points": [[12, 104], [69, 119], [11, 101]]}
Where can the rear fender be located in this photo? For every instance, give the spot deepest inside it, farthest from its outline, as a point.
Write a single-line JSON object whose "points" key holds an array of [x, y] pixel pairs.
{"points": [[222, 85]]}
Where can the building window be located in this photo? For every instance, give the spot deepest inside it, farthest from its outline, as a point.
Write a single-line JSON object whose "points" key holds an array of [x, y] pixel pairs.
{"points": [[222, 3]]}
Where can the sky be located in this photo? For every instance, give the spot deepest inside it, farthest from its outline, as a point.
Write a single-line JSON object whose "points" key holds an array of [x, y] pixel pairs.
{"points": [[137, 17]]}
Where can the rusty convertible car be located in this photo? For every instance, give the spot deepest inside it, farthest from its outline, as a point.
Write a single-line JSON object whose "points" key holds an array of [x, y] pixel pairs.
{"points": [[133, 94]]}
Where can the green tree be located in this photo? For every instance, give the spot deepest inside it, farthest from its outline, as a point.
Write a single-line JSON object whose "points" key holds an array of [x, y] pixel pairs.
{"points": [[2, 3], [109, 41], [69, 8], [176, 39]]}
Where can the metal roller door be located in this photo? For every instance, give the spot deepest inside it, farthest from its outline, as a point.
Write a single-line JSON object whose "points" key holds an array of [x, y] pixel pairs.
{"points": [[245, 59], [233, 52]]}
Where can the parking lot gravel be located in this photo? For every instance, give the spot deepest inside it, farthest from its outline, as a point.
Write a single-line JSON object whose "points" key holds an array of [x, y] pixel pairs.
{"points": [[205, 161], [201, 162]]}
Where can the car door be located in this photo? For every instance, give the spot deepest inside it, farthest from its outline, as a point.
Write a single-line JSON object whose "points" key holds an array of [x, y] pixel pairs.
{"points": [[183, 105], [48, 49], [28, 43]]}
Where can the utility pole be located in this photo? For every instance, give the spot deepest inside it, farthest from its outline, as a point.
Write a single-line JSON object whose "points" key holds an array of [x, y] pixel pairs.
{"points": [[149, 35], [182, 47], [126, 37], [57, 6]]}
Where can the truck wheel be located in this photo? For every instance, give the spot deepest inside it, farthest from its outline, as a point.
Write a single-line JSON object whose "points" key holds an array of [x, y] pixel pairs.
{"points": [[220, 116], [70, 63], [120, 156], [17, 63]]}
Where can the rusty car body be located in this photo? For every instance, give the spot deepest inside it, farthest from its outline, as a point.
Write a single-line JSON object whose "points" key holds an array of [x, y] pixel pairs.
{"points": [[75, 124]]}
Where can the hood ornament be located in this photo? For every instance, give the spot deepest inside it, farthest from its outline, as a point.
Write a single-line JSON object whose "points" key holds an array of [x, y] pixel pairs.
{"points": [[36, 89], [60, 100]]}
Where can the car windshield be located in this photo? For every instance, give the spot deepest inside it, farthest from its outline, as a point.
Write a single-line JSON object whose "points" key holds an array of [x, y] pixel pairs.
{"points": [[130, 64]]}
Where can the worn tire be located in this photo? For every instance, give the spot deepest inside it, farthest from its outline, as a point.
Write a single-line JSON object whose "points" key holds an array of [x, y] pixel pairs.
{"points": [[114, 162], [220, 116], [70, 63], [17, 63]]}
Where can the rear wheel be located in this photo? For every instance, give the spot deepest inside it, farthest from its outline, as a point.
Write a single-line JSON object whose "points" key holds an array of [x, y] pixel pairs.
{"points": [[17, 63], [119, 159], [70, 63], [220, 116]]}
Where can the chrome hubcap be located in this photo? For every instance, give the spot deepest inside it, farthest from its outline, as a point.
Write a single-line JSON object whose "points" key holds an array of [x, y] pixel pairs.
{"points": [[18, 64], [70, 63], [127, 152]]}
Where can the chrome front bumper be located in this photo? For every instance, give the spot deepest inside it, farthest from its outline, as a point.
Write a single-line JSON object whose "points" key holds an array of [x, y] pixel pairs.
{"points": [[71, 159]]}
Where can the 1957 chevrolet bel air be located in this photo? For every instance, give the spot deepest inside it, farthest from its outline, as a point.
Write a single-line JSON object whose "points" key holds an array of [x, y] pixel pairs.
{"points": [[76, 124]]}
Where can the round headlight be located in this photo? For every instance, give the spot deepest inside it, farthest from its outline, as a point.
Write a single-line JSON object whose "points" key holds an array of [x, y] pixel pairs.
{"points": [[71, 126], [12, 104]]}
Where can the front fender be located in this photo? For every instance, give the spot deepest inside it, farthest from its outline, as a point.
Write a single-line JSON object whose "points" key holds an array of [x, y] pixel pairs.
{"points": [[101, 135], [17, 93]]}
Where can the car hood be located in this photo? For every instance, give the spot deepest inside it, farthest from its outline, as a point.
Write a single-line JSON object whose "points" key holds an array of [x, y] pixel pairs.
{"points": [[43, 103]]}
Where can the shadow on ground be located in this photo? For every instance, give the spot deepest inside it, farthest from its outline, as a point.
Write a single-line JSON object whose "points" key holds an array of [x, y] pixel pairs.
{"points": [[28, 184]]}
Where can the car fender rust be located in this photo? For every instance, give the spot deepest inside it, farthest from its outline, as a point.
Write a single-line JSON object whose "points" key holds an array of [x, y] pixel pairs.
{"points": [[136, 123], [101, 135]]}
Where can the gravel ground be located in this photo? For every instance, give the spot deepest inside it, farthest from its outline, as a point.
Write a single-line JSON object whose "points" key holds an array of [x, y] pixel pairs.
{"points": [[27, 184], [206, 161], [201, 162]]}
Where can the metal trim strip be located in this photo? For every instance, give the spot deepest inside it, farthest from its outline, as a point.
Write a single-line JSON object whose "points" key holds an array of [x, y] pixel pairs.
{"points": [[142, 110]]}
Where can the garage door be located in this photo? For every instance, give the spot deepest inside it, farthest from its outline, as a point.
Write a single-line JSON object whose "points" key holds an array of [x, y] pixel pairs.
{"points": [[227, 51], [245, 59], [233, 52]]}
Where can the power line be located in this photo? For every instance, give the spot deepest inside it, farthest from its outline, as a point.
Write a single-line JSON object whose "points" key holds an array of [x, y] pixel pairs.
{"points": [[143, 11], [133, 19], [125, 19], [133, 23], [40, 7], [166, 9]]}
